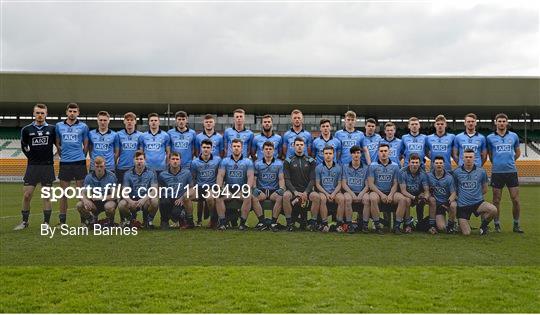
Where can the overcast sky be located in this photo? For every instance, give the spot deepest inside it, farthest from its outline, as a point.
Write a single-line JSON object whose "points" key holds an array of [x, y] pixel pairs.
{"points": [[315, 38]]}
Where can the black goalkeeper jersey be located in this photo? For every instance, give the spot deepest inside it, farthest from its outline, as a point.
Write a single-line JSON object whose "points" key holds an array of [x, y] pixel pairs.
{"points": [[37, 143]]}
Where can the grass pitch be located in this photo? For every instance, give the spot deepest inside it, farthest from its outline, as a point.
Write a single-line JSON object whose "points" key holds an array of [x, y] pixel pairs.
{"points": [[207, 271]]}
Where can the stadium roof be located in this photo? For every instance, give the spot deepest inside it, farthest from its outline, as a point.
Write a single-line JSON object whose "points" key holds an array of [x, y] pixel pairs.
{"points": [[368, 95]]}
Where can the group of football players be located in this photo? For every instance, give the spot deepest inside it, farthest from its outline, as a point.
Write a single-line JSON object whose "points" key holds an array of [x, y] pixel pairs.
{"points": [[330, 175]]}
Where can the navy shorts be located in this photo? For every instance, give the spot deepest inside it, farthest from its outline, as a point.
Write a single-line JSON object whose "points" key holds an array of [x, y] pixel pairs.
{"points": [[499, 180], [465, 212], [440, 210], [120, 175], [42, 174], [72, 171]]}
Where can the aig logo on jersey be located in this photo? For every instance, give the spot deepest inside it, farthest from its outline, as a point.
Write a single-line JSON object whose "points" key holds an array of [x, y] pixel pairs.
{"points": [[354, 181], [440, 147], [70, 137], [153, 146], [207, 173], [373, 146], [415, 146], [129, 145], [40, 140], [235, 174], [439, 190], [327, 181], [268, 176], [101, 146], [468, 185], [500, 148], [348, 143], [384, 177], [181, 144], [470, 146]]}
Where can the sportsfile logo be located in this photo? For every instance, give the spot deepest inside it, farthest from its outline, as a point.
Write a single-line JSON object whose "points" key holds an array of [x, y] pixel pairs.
{"points": [[40, 140], [116, 191], [500, 148]]}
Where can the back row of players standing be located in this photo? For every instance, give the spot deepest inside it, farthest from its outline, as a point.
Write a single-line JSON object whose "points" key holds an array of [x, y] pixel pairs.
{"points": [[118, 148]]}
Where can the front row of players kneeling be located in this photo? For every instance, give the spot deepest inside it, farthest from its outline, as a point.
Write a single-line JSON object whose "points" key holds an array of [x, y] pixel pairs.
{"points": [[294, 186]]}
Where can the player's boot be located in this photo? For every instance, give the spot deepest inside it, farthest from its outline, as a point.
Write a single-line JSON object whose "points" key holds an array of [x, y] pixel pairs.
{"points": [[261, 226], [242, 227], [433, 230], [149, 225], [312, 226], [290, 228], [222, 227], [365, 228], [517, 229], [21, 226], [352, 228], [397, 230], [498, 227], [484, 230], [379, 229]]}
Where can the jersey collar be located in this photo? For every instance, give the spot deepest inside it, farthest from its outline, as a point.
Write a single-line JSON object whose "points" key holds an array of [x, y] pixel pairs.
{"points": [[236, 161], [234, 128], [473, 168], [135, 172], [331, 137], [45, 124], [154, 134], [467, 134], [273, 134], [359, 167], [271, 162], [385, 139], [302, 130], [435, 174], [129, 134], [76, 122], [507, 132], [178, 130], [108, 131], [385, 165], [209, 136], [210, 159], [436, 135], [328, 168]]}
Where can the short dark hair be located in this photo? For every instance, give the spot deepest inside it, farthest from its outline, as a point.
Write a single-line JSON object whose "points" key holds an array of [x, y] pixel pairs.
{"points": [[103, 113], [355, 148], [209, 116], [501, 115], [207, 142], [468, 150], [471, 115], [180, 113], [153, 115], [236, 140], [414, 156], [239, 110], [139, 153], [324, 121], [299, 139], [268, 144], [41, 106], [326, 148], [175, 154], [438, 157], [371, 120], [72, 105], [267, 116], [384, 145]]}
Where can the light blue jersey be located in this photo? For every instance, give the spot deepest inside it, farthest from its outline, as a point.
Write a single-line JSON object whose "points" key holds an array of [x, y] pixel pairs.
{"points": [[355, 177], [104, 145], [416, 183], [217, 142], [129, 143], [503, 150], [288, 140], [72, 138], [139, 183], [441, 146], [395, 149], [372, 144], [329, 178], [91, 180], [414, 144], [384, 176], [320, 143], [245, 135], [236, 170], [469, 185], [348, 140], [155, 148], [259, 141], [205, 172], [177, 181], [268, 174], [476, 142], [441, 188], [183, 142]]}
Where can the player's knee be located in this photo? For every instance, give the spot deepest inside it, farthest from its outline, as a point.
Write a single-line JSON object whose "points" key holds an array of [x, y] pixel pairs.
{"points": [[373, 197], [315, 197], [287, 196]]}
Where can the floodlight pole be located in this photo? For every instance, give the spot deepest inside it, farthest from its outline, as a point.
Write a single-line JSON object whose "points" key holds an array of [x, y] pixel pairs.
{"points": [[168, 113]]}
